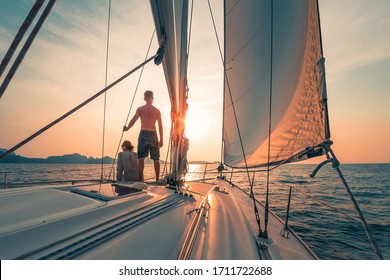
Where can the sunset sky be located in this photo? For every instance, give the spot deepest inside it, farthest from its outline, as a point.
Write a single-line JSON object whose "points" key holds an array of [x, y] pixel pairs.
{"points": [[66, 65]]}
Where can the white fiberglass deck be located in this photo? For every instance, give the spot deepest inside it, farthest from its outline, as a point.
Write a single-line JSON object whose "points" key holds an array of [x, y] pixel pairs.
{"points": [[231, 231], [152, 224], [27, 207]]}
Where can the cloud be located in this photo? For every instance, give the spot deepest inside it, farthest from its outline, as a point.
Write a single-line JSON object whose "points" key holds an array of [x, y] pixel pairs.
{"points": [[355, 33], [5, 41]]}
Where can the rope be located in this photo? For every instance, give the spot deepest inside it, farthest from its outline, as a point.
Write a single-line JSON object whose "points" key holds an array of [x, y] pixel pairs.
{"points": [[19, 36], [105, 84], [237, 125], [28, 139], [131, 105], [269, 125], [26, 47]]}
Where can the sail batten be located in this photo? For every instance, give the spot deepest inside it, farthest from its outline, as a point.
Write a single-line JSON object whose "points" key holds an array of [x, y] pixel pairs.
{"points": [[298, 86]]}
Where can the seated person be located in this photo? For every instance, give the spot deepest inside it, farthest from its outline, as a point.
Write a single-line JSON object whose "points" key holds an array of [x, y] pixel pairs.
{"points": [[127, 166]]}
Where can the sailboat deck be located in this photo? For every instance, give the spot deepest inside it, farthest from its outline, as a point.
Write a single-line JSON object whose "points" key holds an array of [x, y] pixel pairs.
{"points": [[231, 231], [27, 207], [67, 226], [154, 224]]}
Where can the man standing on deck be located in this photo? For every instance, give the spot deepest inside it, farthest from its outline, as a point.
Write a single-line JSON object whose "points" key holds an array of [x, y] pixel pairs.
{"points": [[147, 140]]}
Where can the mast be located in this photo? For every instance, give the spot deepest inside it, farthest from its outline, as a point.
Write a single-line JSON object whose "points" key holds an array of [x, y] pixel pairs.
{"points": [[323, 79], [171, 21]]}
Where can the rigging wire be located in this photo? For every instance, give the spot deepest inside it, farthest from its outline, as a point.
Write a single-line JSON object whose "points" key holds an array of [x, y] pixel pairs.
{"points": [[26, 47], [105, 85], [19, 36], [335, 165], [237, 125], [131, 105], [269, 123], [224, 86]]}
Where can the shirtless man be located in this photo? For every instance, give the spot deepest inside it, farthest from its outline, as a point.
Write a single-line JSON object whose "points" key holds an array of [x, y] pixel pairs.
{"points": [[147, 140]]}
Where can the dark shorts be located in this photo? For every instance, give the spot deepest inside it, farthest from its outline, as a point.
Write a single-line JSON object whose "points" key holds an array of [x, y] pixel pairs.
{"points": [[148, 141]]}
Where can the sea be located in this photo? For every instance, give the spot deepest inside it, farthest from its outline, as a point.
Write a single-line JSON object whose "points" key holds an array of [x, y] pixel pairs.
{"points": [[321, 212]]}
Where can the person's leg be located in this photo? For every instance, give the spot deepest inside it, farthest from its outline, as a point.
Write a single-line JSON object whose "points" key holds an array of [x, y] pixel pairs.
{"points": [[155, 154], [157, 169], [142, 153], [141, 164]]}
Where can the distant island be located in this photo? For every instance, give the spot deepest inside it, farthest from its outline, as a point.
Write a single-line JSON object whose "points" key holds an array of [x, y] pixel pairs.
{"points": [[64, 159]]}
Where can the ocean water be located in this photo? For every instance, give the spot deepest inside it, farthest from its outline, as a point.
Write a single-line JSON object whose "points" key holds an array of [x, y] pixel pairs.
{"points": [[321, 211]]}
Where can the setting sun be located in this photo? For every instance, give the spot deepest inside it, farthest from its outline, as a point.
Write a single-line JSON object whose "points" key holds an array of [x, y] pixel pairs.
{"points": [[197, 123]]}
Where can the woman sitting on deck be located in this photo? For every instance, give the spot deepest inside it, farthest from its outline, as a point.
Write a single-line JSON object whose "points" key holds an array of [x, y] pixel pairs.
{"points": [[127, 166]]}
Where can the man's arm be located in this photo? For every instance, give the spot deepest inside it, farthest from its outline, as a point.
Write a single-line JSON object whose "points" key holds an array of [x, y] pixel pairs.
{"points": [[160, 129], [133, 120]]}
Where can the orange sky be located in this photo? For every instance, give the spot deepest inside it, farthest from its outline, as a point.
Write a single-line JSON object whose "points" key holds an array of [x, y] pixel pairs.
{"points": [[66, 65]]}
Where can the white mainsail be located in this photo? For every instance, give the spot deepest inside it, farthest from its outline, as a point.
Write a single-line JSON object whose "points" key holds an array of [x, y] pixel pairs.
{"points": [[282, 48], [171, 21]]}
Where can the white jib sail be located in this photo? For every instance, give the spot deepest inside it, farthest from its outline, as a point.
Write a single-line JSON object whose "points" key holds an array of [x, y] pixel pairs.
{"points": [[298, 108]]}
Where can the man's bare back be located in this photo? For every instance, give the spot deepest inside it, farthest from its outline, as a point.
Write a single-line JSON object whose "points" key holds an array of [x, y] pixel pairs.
{"points": [[149, 115]]}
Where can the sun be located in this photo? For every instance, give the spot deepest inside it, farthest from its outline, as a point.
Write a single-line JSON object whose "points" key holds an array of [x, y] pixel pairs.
{"points": [[197, 123]]}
